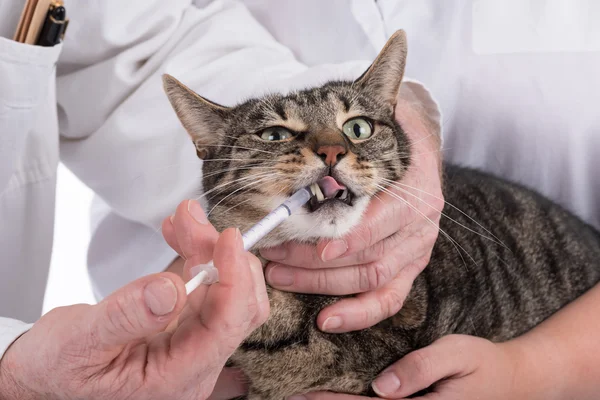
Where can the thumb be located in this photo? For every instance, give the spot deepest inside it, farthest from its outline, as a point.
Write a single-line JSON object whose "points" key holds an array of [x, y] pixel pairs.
{"points": [[452, 355], [135, 311]]}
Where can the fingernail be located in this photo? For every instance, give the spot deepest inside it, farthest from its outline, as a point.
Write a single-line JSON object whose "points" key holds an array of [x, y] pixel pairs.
{"points": [[334, 249], [386, 384], [160, 296], [332, 323], [277, 253], [197, 212], [281, 276], [171, 218], [238, 238], [256, 269], [297, 397]]}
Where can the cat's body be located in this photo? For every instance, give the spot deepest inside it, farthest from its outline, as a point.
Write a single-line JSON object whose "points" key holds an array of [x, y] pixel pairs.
{"points": [[496, 282], [551, 258]]}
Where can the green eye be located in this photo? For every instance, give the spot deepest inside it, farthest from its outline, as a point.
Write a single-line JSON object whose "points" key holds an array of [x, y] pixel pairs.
{"points": [[275, 134], [358, 129]]}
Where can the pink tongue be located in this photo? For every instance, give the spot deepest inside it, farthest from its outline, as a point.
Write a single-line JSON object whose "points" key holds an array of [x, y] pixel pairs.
{"points": [[329, 186]]}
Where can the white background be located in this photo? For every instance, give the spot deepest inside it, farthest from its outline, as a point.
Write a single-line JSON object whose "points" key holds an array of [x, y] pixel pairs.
{"points": [[68, 282]]}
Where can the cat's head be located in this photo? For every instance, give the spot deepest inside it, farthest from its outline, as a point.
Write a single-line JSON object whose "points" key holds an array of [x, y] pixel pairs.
{"points": [[342, 135]]}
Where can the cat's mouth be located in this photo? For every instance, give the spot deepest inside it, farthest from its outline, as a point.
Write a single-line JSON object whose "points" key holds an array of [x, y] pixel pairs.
{"points": [[328, 190]]}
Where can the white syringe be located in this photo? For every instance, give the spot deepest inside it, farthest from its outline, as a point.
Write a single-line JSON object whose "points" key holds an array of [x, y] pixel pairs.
{"points": [[208, 274]]}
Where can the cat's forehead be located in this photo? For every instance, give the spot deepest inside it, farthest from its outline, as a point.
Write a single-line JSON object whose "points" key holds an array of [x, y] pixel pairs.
{"points": [[333, 103]]}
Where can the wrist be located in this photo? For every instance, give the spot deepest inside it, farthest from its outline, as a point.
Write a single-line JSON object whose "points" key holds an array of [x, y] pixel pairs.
{"points": [[10, 386], [539, 371]]}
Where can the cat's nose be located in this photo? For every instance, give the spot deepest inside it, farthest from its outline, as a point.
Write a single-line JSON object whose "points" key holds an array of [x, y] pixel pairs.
{"points": [[331, 154]]}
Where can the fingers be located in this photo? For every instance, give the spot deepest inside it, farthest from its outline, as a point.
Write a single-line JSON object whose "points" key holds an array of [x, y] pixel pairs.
{"points": [[449, 356], [395, 254], [195, 236], [230, 310], [370, 308], [168, 231], [410, 217], [260, 289], [232, 304], [137, 310]]}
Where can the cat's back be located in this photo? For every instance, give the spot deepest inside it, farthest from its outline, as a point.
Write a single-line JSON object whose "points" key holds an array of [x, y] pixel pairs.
{"points": [[506, 258], [493, 203]]}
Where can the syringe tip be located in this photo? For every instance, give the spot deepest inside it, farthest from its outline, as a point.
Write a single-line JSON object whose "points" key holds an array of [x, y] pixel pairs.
{"points": [[205, 274]]}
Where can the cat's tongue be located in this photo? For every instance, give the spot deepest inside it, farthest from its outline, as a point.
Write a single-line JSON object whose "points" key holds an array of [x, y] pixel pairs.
{"points": [[329, 186]]}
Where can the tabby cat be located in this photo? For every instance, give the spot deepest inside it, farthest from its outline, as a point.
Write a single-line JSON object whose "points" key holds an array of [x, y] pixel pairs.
{"points": [[344, 136]]}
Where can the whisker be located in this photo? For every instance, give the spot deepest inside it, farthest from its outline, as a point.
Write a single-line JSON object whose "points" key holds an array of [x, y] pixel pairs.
{"points": [[265, 178], [497, 240], [242, 159], [255, 166], [239, 147], [306, 232], [242, 179], [255, 182], [423, 138], [431, 152], [454, 243], [244, 201], [403, 156]]}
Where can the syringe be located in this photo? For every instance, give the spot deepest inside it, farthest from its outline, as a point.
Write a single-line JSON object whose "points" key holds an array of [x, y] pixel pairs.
{"points": [[208, 274]]}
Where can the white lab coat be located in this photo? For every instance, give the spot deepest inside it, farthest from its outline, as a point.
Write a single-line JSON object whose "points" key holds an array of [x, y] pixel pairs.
{"points": [[521, 106]]}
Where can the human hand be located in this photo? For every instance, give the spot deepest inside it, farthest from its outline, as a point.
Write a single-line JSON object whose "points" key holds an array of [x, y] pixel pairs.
{"points": [[456, 367], [120, 348], [384, 254], [192, 236]]}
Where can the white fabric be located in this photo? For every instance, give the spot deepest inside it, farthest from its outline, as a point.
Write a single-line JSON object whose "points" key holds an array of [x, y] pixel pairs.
{"points": [[28, 162], [118, 133], [525, 112], [9, 330]]}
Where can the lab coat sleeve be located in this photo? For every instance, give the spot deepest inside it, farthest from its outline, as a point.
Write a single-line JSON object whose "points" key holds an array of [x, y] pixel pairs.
{"points": [[119, 133], [10, 330]]}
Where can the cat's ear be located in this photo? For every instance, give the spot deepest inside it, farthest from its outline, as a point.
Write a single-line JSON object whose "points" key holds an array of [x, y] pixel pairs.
{"points": [[384, 76], [201, 118]]}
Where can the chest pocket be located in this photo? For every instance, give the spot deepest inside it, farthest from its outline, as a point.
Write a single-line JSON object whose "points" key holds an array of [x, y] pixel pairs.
{"points": [[28, 127]]}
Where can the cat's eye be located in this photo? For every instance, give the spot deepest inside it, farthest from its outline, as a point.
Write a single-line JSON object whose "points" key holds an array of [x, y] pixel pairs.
{"points": [[275, 133], [358, 129]]}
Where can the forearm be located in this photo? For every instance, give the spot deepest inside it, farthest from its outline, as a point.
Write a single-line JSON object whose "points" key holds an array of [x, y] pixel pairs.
{"points": [[559, 359]]}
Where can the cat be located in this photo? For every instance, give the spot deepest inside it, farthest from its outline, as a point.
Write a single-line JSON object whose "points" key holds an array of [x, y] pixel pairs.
{"points": [[497, 284]]}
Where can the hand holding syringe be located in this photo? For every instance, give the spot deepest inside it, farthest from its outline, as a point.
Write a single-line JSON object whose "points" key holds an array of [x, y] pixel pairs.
{"points": [[207, 273]]}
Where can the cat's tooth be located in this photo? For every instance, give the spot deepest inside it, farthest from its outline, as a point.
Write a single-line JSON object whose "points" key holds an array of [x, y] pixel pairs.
{"points": [[344, 194], [316, 190], [320, 195], [313, 189]]}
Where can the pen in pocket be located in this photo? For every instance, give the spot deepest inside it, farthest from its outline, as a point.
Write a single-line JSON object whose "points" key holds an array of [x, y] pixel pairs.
{"points": [[54, 26]]}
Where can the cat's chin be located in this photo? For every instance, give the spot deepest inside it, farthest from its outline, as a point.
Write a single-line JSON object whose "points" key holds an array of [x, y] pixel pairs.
{"points": [[332, 220]]}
